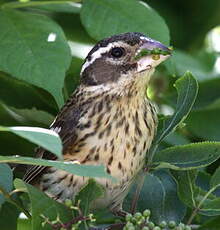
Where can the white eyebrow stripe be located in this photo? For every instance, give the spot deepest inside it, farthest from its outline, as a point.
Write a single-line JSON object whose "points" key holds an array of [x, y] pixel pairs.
{"points": [[98, 53]]}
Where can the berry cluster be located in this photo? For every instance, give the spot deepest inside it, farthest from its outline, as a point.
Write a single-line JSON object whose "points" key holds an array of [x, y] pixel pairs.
{"points": [[140, 221]]}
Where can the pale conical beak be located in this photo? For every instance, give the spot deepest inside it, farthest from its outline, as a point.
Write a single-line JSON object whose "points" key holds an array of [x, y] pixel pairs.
{"points": [[151, 53]]}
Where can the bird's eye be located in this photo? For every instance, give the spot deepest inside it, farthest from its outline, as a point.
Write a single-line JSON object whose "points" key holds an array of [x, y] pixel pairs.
{"points": [[117, 52]]}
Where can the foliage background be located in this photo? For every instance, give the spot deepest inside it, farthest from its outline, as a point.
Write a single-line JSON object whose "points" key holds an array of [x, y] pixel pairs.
{"points": [[37, 76]]}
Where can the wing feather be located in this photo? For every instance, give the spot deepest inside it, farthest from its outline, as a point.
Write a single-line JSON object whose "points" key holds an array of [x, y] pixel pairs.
{"points": [[65, 125]]}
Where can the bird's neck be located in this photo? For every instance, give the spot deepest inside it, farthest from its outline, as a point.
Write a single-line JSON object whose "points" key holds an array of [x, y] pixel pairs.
{"points": [[133, 87]]}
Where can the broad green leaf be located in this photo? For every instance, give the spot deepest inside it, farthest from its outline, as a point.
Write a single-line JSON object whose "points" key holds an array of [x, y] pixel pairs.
{"points": [[32, 116], [161, 197], [46, 138], [71, 167], [203, 124], [41, 204], [104, 18], [6, 181], [34, 49], [187, 88], [215, 180], [211, 208], [187, 189], [176, 139], [88, 194], [185, 157], [28, 117], [212, 224], [54, 6], [189, 193], [207, 97], [23, 224], [159, 194], [8, 217], [203, 180], [19, 94]]}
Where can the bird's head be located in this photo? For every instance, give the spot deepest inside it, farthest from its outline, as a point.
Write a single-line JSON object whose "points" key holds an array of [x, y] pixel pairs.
{"points": [[122, 60]]}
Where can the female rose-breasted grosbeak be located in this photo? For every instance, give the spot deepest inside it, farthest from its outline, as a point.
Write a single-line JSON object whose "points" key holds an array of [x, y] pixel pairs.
{"points": [[108, 120]]}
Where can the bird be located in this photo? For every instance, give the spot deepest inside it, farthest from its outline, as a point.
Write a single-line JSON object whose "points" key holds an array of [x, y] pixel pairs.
{"points": [[108, 120]]}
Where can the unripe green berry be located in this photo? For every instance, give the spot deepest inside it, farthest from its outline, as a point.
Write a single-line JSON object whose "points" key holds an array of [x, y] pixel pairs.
{"points": [[146, 213], [137, 215], [156, 228], [128, 217], [133, 220], [179, 228], [129, 224], [131, 228], [68, 202], [151, 224], [172, 224], [163, 224], [145, 228], [187, 227]]}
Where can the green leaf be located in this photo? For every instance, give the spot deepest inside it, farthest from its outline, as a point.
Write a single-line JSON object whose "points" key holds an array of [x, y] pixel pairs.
{"points": [[54, 6], [187, 88], [6, 181], [41, 204], [32, 116], [46, 138], [187, 189], [74, 168], [215, 180], [104, 18], [29, 117], [89, 193], [207, 97], [159, 194], [212, 224], [191, 156], [203, 180], [8, 217], [176, 138], [19, 94], [202, 123], [34, 49], [23, 224], [211, 208]]}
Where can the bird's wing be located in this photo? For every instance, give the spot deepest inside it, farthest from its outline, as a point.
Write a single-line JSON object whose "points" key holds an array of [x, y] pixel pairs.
{"points": [[65, 125]]}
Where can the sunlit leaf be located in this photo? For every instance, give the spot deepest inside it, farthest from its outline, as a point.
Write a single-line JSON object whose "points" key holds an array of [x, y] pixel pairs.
{"points": [[185, 157], [46, 138], [42, 205], [74, 168], [103, 18], [34, 49]]}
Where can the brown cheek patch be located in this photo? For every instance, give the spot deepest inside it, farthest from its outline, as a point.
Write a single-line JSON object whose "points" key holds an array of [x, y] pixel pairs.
{"points": [[101, 72]]}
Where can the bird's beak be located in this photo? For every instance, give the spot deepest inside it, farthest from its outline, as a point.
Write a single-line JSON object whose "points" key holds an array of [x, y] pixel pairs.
{"points": [[150, 54]]}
